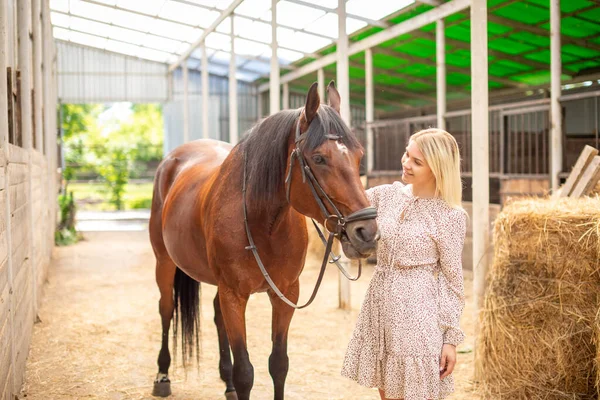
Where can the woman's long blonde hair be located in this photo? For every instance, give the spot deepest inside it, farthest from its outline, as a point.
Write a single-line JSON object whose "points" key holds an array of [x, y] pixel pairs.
{"points": [[441, 153]]}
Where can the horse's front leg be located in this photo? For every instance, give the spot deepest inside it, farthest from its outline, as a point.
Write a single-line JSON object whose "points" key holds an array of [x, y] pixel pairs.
{"points": [[233, 309], [282, 316], [225, 365]]}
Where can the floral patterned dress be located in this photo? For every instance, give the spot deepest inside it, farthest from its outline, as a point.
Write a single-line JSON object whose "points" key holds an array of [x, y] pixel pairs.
{"points": [[415, 298]]}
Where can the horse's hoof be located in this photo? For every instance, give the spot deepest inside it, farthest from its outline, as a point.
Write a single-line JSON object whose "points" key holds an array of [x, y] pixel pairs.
{"points": [[231, 395], [162, 388]]}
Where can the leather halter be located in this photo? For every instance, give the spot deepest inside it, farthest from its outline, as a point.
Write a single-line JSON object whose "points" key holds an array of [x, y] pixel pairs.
{"points": [[336, 216]]}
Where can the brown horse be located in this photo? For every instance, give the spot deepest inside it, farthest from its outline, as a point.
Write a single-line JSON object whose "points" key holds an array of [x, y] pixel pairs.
{"points": [[198, 229]]}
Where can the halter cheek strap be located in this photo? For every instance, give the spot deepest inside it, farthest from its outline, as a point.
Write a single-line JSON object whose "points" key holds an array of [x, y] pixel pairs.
{"points": [[318, 194]]}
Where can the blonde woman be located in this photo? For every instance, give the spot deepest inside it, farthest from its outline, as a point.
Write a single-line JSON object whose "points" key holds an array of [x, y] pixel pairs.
{"points": [[407, 331]]}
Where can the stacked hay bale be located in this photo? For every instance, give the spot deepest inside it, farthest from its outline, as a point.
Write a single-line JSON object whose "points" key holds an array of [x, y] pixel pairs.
{"points": [[540, 334]]}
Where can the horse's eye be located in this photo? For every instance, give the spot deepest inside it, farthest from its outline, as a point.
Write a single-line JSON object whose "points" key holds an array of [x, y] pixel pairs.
{"points": [[318, 159]]}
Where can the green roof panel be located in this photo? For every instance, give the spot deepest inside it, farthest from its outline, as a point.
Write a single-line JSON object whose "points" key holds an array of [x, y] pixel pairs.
{"points": [[530, 38], [418, 47], [509, 46], [417, 69], [384, 61], [575, 27], [523, 12]]}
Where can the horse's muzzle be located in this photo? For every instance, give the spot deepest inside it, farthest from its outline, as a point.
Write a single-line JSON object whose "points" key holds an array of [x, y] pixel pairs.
{"points": [[360, 239]]}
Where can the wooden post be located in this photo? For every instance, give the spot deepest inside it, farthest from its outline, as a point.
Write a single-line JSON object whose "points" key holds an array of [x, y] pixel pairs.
{"points": [[343, 87], [480, 146], [6, 244], [38, 89]]}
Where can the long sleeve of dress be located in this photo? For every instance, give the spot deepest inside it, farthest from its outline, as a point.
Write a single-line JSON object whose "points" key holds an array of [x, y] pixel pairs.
{"points": [[451, 238]]}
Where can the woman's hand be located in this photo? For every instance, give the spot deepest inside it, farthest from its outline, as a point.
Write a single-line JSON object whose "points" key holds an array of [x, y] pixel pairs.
{"points": [[448, 360]]}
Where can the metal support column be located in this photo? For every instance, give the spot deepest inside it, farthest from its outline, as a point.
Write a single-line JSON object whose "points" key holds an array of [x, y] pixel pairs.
{"points": [[480, 148], [555, 91], [369, 109], [205, 94], [233, 108], [440, 61], [274, 82]]}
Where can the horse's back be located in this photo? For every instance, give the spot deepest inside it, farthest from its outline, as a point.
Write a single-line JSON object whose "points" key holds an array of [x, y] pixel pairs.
{"points": [[203, 156], [178, 185]]}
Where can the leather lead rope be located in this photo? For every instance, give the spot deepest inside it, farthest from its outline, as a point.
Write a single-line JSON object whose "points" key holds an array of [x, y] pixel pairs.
{"points": [[262, 266]]}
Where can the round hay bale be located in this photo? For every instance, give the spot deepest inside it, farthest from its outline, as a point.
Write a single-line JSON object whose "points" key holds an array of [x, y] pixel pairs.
{"points": [[537, 327]]}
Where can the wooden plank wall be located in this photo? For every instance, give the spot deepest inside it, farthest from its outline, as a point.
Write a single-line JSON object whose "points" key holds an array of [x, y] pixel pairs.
{"points": [[28, 177]]}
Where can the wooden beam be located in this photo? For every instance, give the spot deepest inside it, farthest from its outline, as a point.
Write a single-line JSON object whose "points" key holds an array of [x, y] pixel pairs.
{"points": [[588, 180], [586, 156]]}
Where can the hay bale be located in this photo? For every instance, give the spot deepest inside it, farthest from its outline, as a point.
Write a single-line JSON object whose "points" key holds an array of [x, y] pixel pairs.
{"points": [[537, 328]]}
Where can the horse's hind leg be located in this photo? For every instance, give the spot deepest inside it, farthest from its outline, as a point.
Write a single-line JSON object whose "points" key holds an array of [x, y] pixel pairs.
{"points": [[165, 278], [282, 317], [225, 365]]}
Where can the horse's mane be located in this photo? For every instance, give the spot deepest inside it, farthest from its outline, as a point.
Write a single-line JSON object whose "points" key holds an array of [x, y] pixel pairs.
{"points": [[266, 147]]}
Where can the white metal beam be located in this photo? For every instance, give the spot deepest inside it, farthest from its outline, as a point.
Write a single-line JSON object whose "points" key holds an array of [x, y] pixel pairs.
{"points": [[207, 32], [286, 97], [369, 109], [372, 22], [343, 87], [440, 62], [321, 84], [186, 103], [205, 94], [555, 92], [274, 81], [480, 149], [233, 108], [394, 31]]}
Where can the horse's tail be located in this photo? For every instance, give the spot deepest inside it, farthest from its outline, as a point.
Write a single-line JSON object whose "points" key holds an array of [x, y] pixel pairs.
{"points": [[187, 316]]}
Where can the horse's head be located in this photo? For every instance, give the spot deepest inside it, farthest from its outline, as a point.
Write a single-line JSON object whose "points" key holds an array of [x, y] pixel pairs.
{"points": [[323, 179]]}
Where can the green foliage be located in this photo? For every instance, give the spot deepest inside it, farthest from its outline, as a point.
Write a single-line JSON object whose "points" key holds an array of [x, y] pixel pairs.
{"points": [[98, 142], [96, 196], [66, 233], [115, 171]]}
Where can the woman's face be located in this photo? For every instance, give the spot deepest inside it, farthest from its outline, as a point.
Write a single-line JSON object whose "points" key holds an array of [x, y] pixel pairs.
{"points": [[415, 169]]}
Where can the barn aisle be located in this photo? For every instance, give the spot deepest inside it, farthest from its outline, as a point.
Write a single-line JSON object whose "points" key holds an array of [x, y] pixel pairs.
{"points": [[98, 334]]}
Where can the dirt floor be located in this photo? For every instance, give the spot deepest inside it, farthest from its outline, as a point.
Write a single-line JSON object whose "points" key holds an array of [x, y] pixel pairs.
{"points": [[99, 333]]}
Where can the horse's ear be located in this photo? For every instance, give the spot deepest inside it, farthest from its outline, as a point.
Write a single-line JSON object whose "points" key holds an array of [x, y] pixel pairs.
{"points": [[333, 96], [312, 103]]}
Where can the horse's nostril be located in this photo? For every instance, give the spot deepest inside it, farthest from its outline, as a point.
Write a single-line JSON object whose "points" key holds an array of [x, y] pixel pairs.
{"points": [[360, 232]]}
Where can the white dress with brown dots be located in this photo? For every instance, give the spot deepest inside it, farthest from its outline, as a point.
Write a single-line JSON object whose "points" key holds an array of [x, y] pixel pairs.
{"points": [[415, 298]]}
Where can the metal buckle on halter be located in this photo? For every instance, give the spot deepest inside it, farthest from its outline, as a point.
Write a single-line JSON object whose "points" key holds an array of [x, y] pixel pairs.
{"points": [[340, 223]]}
